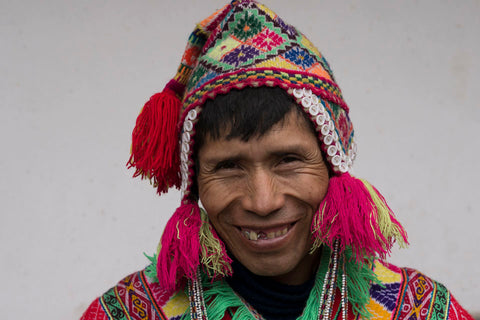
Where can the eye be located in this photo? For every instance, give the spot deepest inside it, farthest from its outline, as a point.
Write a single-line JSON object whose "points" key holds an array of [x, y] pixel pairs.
{"points": [[226, 165], [289, 159]]}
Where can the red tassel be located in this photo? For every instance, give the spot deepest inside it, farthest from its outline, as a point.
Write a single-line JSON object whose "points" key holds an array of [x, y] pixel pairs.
{"points": [[179, 254], [155, 141]]}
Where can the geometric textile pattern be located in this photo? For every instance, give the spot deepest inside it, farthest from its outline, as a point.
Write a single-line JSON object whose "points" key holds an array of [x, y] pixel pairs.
{"points": [[424, 298], [137, 298], [94, 312], [384, 296], [418, 297], [405, 293], [421, 293]]}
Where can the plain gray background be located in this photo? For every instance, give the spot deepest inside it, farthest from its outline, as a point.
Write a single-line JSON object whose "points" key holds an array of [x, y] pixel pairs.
{"points": [[75, 74]]}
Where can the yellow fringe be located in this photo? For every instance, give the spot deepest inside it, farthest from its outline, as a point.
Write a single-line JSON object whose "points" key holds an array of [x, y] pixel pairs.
{"points": [[211, 251], [388, 229]]}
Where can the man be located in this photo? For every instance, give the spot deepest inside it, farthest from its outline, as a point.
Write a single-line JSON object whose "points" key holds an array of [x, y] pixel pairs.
{"points": [[271, 224]]}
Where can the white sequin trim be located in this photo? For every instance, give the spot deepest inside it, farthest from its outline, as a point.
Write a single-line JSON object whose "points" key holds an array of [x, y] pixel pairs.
{"points": [[311, 103], [185, 148]]}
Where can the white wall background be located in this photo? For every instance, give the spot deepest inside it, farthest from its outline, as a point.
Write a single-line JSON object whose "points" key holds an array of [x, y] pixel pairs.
{"points": [[74, 75]]}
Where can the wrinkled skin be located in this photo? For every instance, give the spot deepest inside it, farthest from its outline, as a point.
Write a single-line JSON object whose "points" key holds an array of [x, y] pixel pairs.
{"points": [[261, 195]]}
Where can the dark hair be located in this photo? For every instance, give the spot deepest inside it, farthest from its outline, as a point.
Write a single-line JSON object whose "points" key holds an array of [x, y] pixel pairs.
{"points": [[246, 113], [243, 114]]}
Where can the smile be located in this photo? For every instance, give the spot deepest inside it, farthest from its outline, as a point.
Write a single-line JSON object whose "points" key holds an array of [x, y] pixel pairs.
{"points": [[264, 234]]}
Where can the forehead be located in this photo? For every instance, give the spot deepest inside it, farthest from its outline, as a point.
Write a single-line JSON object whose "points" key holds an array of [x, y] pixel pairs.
{"points": [[293, 132]]}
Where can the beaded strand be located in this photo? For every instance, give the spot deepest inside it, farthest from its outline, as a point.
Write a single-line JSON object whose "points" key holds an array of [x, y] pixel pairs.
{"points": [[198, 310], [332, 280], [344, 292]]}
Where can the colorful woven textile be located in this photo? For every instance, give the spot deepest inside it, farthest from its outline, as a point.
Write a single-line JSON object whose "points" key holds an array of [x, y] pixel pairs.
{"points": [[405, 293], [402, 294], [137, 297]]}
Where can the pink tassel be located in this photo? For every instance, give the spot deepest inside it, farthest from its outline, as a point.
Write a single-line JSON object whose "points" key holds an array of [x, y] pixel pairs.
{"points": [[359, 219], [180, 250]]}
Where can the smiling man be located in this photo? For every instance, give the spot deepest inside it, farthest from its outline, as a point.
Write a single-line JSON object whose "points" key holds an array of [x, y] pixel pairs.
{"points": [[255, 132], [261, 192]]}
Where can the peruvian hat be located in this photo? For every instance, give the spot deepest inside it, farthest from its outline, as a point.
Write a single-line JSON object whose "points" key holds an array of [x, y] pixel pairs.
{"points": [[245, 44]]}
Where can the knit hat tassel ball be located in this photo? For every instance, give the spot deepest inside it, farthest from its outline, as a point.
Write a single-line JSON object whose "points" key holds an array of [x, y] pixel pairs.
{"points": [[245, 44]]}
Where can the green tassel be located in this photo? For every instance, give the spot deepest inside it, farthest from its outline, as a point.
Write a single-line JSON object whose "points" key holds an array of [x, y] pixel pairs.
{"points": [[389, 228], [313, 303], [219, 297], [359, 280], [151, 269]]}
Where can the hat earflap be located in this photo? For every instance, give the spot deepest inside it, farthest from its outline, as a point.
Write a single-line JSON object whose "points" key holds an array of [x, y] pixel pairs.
{"points": [[155, 153], [356, 214], [180, 247]]}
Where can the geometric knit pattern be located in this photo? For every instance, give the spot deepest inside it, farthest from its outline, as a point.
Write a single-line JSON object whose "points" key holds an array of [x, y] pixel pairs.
{"points": [[403, 293], [429, 298], [137, 297], [385, 295]]}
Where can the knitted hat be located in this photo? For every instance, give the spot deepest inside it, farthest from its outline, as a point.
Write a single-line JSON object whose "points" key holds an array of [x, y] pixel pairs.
{"points": [[245, 44]]}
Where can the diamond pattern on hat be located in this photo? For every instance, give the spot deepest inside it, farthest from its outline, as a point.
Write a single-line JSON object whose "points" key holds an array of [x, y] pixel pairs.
{"points": [[241, 55], [247, 26], [222, 48], [267, 40], [300, 57]]}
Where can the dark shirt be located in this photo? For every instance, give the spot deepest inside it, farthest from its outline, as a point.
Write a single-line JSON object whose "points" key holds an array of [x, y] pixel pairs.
{"points": [[273, 300]]}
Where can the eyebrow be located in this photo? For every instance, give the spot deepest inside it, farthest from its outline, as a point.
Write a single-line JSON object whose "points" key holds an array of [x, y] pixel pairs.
{"points": [[277, 152]]}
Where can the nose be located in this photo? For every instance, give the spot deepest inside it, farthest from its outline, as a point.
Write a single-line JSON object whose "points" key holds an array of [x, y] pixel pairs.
{"points": [[263, 195]]}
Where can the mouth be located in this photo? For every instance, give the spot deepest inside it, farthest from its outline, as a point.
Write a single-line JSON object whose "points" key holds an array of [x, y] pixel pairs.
{"points": [[266, 234]]}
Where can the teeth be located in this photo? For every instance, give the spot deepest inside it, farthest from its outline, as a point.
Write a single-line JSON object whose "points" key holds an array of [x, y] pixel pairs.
{"points": [[281, 232], [253, 235]]}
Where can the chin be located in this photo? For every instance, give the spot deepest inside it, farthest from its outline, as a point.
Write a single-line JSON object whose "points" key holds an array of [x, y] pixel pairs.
{"points": [[270, 269], [289, 270]]}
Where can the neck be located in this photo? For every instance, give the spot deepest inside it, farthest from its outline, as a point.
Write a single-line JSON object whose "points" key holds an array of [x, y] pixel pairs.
{"points": [[304, 270], [274, 300]]}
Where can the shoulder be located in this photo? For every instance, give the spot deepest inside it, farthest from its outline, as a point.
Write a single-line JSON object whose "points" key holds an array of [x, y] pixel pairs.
{"points": [[139, 296], [405, 293]]}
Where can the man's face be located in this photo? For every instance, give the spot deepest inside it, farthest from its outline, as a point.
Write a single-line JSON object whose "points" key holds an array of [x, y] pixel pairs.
{"points": [[261, 195]]}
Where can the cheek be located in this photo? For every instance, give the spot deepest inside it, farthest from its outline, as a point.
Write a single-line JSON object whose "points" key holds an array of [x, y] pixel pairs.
{"points": [[310, 188], [216, 196], [319, 190]]}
